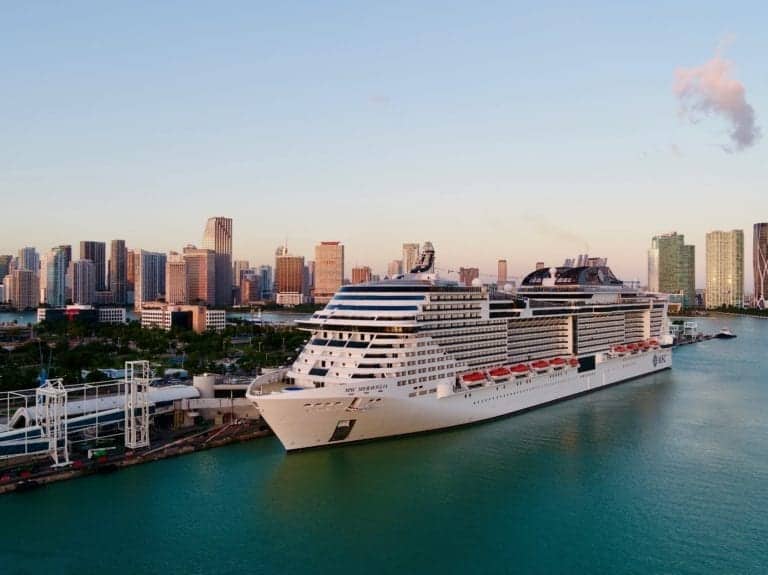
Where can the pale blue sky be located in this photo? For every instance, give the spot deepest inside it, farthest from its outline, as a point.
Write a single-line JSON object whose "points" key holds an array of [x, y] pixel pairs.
{"points": [[525, 131]]}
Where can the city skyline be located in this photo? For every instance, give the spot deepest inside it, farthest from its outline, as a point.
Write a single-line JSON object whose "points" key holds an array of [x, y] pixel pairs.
{"points": [[386, 118]]}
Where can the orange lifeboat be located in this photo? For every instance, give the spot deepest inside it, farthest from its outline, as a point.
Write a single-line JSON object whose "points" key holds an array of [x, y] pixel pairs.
{"points": [[620, 349], [558, 362], [573, 362], [520, 368], [473, 377], [632, 347]]}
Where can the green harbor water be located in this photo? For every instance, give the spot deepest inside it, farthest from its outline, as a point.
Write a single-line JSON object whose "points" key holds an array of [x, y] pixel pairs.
{"points": [[664, 474]]}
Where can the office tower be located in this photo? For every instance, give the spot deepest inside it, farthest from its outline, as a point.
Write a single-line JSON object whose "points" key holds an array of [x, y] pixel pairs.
{"points": [[97, 253], [361, 274], [672, 267], [84, 277], [67, 249], [309, 279], [329, 270], [250, 288], [760, 262], [394, 268], [468, 275], [22, 289], [176, 280], [131, 268], [541, 265], [289, 276], [56, 277], [218, 237], [265, 281], [410, 257], [150, 278], [238, 267], [502, 276], [118, 272], [28, 259], [725, 269], [5, 265], [201, 275]]}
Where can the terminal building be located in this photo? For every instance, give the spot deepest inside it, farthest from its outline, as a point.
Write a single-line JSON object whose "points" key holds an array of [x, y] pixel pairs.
{"points": [[195, 317]]}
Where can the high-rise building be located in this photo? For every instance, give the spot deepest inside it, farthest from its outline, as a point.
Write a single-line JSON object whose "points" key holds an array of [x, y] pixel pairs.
{"points": [[83, 274], [361, 274], [329, 270], [131, 268], [56, 277], [250, 288], [541, 265], [28, 259], [238, 267], [760, 262], [176, 289], [201, 275], [725, 269], [468, 275], [218, 237], [97, 253], [672, 267], [118, 272], [395, 268], [502, 277], [22, 289], [289, 277], [5, 265], [265, 277], [150, 278], [410, 257]]}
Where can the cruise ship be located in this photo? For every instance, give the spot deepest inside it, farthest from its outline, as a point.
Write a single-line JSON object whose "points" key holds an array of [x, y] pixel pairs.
{"points": [[419, 353]]}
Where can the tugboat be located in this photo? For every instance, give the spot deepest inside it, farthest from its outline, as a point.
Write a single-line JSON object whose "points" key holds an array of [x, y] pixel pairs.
{"points": [[725, 333]]}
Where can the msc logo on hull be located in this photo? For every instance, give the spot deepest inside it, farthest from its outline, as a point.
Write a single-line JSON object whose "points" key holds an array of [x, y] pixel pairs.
{"points": [[659, 360]]}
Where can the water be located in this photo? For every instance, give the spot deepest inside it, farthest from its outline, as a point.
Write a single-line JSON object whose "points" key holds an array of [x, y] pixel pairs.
{"points": [[665, 474]]}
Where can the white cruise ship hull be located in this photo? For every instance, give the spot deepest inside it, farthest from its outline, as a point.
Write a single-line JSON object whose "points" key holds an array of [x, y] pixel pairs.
{"points": [[310, 418]]}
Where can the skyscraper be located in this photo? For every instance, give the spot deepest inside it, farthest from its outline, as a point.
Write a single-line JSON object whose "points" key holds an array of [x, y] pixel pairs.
{"points": [[83, 281], [131, 267], [22, 289], [672, 267], [238, 267], [395, 268], [410, 257], [28, 259], [329, 270], [218, 237], [265, 283], [201, 275], [760, 262], [5, 265], [289, 277], [468, 275], [150, 278], [56, 277], [176, 280], [502, 277], [118, 270], [361, 274], [725, 269], [97, 253]]}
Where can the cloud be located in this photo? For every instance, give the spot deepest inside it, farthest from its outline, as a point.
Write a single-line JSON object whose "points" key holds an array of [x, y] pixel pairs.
{"points": [[711, 89]]}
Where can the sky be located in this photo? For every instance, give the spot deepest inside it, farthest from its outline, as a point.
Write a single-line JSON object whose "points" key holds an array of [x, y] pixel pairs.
{"points": [[525, 131]]}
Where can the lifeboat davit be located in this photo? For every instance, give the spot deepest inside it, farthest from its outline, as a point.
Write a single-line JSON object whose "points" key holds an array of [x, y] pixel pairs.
{"points": [[475, 376]]}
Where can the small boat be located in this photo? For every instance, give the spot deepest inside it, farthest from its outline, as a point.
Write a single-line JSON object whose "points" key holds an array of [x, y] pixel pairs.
{"points": [[573, 362], [558, 363], [499, 373], [520, 368], [725, 333], [632, 347], [540, 366], [473, 377]]}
